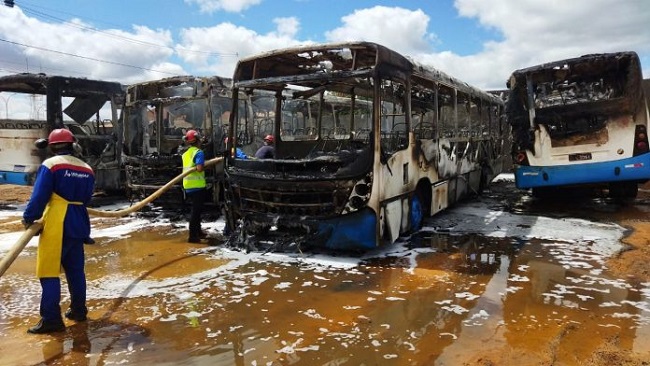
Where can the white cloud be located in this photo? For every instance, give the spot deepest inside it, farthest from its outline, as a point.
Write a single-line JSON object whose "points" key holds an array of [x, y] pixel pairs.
{"points": [[533, 32], [233, 42], [537, 31], [76, 49], [530, 32], [232, 6], [400, 29], [287, 27]]}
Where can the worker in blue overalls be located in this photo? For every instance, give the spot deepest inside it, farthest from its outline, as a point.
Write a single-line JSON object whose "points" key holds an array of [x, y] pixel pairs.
{"points": [[63, 188]]}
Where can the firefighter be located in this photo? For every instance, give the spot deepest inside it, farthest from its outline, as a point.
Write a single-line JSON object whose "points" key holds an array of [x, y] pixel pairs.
{"points": [[63, 188], [194, 184]]}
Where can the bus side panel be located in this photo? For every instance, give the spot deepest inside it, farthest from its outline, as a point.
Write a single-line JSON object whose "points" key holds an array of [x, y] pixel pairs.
{"points": [[19, 158], [439, 197], [393, 218]]}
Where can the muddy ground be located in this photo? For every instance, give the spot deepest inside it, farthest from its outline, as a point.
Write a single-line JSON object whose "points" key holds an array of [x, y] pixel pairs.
{"points": [[469, 299], [633, 263]]}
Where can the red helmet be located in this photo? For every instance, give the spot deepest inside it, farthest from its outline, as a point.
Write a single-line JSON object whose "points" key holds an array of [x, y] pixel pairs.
{"points": [[60, 135], [191, 136], [269, 138]]}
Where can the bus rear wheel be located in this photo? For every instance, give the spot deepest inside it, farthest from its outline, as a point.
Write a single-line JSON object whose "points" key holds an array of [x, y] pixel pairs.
{"points": [[623, 190]]}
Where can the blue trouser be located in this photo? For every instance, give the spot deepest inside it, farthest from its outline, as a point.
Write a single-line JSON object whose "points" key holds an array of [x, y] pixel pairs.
{"points": [[72, 260]]}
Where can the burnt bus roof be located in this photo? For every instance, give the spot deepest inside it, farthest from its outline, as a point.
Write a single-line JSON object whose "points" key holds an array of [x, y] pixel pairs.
{"points": [[591, 64], [619, 69], [172, 87], [305, 60], [302, 63], [30, 83]]}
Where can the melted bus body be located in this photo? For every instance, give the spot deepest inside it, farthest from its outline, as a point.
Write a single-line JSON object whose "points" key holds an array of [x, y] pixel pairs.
{"points": [[367, 143], [580, 122], [158, 113], [90, 109]]}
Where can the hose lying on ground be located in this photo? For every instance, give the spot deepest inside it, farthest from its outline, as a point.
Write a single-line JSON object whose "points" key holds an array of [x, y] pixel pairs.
{"points": [[33, 229]]}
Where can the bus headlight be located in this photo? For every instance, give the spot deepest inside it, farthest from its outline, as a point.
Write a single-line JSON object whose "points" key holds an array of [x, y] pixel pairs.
{"points": [[360, 195]]}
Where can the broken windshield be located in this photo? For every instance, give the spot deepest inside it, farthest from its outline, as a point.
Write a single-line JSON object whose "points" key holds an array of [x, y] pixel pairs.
{"points": [[310, 118]]}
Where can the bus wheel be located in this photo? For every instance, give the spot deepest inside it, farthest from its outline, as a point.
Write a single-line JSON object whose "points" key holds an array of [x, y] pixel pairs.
{"points": [[623, 190], [543, 192], [417, 212]]}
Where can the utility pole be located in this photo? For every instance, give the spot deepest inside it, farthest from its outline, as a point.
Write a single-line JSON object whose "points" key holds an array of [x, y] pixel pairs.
{"points": [[6, 100]]}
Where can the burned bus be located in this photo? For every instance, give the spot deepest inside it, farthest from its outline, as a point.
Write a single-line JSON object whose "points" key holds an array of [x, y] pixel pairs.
{"points": [[157, 115], [90, 109], [581, 122], [367, 144]]}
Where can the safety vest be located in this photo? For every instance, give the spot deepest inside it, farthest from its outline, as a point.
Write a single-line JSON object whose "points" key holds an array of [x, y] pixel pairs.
{"points": [[195, 179]]}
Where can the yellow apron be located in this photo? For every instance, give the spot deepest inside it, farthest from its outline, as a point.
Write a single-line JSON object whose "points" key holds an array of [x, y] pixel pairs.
{"points": [[48, 256]]}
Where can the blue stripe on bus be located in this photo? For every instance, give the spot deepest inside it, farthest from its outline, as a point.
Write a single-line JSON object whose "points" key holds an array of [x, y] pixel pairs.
{"points": [[355, 231], [15, 178], [635, 168]]}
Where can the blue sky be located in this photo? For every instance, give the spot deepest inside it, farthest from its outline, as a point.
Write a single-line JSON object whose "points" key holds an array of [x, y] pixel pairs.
{"points": [[478, 41]]}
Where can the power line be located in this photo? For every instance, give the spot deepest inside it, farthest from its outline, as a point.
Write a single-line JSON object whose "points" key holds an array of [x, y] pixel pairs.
{"points": [[41, 68], [10, 70], [71, 14], [37, 13], [86, 58]]}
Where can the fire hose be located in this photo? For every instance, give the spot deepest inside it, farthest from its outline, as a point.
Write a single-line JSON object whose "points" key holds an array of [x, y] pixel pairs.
{"points": [[37, 226]]}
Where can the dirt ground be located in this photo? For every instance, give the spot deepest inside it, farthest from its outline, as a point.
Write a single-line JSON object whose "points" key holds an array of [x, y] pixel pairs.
{"points": [[12, 194], [633, 264]]}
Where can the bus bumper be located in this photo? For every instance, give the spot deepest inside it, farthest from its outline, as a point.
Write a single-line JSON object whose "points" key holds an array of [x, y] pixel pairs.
{"points": [[634, 168], [352, 232], [355, 232], [18, 178]]}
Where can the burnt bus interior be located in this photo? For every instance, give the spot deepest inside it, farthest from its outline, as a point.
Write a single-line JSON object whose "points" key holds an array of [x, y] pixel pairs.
{"points": [[157, 116], [91, 113], [573, 98]]}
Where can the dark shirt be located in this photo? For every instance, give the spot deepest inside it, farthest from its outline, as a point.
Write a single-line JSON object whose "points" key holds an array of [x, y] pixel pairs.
{"points": [[265, 152]]}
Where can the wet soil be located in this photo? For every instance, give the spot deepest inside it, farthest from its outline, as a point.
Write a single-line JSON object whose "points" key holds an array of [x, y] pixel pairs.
{"points": [[434, 299]]}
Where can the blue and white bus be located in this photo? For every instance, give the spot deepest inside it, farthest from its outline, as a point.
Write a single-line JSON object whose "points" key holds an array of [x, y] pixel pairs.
{"points": [[580, 122], [367, 144]]}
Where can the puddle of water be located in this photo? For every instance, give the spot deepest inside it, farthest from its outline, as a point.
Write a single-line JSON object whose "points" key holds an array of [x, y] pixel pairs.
{"points": [[477, 286], [438, 299]]}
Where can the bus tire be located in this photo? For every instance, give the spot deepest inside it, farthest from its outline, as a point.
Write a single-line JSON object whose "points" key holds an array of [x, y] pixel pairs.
{"points": [[623, 190], [543, 192]]}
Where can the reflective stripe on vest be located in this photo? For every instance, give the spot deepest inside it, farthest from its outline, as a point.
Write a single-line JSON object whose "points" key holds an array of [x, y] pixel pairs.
{"points": [[194, 179]]}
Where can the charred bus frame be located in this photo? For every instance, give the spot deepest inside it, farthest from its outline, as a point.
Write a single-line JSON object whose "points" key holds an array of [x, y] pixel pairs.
{"points": [[368, 143], [580, 122], [82, 101], [158, 114]]}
